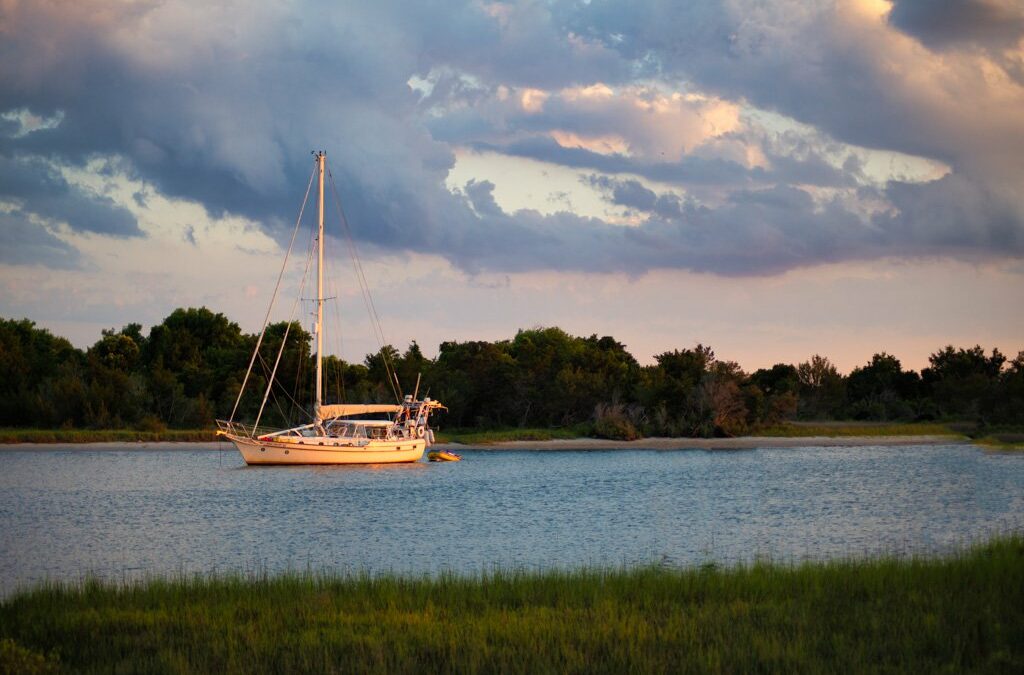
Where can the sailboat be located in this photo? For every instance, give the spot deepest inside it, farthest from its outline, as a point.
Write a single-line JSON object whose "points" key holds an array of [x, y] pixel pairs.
{"points": [[335, 433]]}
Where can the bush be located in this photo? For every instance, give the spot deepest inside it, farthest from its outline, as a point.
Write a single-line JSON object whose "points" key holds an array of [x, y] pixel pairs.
{"points": [[152, 424], [617, 422]]}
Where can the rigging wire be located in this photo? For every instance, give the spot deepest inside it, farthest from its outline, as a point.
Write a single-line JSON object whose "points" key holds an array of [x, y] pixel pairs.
{"points": [[335, 306], [284, 341], [295, 404], [392, 377], [300, 368], [273, 298], [273, 396]]}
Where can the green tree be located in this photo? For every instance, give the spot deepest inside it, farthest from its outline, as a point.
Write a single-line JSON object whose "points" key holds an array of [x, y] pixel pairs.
{"points": [[673, 390], [29, 358], [117, 351], [476, 380], [772, 394], [882, 390], [202, 350], [822, 389], [1009, 406], [963, 383], [380, 367]]}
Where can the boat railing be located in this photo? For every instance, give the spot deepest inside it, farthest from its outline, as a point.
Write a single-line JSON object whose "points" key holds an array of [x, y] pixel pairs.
{"points": [[239, 429]]}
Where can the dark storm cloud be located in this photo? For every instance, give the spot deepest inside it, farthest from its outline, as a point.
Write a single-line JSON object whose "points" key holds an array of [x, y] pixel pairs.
{"points": [[939, 23], [9, 127], [514, 43], [220, 106], [40, 189], [754, 233], [23, 242], [952, 215]]}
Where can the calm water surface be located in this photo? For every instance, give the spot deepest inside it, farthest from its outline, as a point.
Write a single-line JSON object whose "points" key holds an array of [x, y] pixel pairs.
{"points": [[128, 513]]}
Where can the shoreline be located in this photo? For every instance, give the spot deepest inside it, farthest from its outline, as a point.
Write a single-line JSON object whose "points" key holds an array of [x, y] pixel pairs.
{"points": [[738, 443], [554, 445]]}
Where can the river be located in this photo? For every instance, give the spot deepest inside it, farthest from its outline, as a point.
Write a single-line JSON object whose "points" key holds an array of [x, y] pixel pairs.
{"points": [[119, 512]]}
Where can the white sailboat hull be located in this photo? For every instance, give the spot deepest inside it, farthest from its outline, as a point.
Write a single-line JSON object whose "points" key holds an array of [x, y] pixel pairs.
{"points": [[328, 451]]}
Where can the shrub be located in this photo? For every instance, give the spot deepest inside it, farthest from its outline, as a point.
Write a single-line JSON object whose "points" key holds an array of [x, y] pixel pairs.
{"points": [[151, 423], [616, 421]]}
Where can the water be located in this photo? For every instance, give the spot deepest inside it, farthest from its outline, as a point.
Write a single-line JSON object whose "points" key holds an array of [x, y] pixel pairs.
{"points": [[129, 513]]}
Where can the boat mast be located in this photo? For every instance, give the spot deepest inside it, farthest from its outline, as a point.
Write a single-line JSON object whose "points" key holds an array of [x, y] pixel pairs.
{"points": [[321, 160]]}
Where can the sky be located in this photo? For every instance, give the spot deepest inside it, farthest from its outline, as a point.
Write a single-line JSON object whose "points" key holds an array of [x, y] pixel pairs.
{"points": [[773, 179]]}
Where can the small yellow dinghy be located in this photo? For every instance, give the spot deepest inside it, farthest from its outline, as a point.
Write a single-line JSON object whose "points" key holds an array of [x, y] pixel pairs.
{"points": [[443, 456]]}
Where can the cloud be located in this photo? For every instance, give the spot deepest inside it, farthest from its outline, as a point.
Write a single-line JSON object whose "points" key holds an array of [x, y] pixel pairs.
{"points": [[844, 71], [951, 216], [941, 23], [40, 189], [220, 104], [692, 170], [629, 193], [24, 242], [481, 196]]}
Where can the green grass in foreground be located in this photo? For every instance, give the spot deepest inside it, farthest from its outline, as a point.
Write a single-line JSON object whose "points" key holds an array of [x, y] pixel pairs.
{"points": [[8, 435], [963, 613]]}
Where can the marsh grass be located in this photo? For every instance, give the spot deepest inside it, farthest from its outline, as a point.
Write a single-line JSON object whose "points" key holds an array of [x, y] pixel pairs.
{"points": [[783, 430], [473, 437], [858, 429], [961, 613], [1002, 441]]}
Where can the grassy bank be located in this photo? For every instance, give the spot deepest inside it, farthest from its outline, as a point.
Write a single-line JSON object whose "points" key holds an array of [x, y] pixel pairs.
{"points": [[1002, 441], [963, 613], [784, 430], [483, 437], [859, 429], [8, 435]]}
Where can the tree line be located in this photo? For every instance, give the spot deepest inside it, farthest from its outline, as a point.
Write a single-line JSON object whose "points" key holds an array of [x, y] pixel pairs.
{"points": [[187, 371]]}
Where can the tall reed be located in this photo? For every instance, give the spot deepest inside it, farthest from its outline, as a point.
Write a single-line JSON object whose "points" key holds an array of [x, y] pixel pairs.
{"points": [[960, 613]]}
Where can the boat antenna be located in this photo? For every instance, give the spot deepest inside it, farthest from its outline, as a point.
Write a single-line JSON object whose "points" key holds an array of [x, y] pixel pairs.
{"points": [[416, 391]]}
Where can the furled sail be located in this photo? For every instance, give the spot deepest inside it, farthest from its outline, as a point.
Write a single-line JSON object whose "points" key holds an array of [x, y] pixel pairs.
{"points": [[345, 409]]}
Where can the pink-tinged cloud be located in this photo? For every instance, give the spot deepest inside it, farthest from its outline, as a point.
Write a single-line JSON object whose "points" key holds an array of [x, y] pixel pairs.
{"points": [[219, 104]]}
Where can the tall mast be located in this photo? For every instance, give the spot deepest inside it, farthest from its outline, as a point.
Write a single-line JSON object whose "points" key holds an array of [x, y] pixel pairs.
{"points": [[321, 160]]}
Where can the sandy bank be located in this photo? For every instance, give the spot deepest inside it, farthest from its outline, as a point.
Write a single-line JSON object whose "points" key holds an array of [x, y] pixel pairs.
{"points": [[742, 443]]}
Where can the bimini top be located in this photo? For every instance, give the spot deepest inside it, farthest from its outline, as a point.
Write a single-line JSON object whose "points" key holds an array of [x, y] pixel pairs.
{"points": [[345, 409]]}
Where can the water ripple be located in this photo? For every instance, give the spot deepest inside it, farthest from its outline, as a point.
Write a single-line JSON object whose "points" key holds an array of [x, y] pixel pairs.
{"points": [[125, 514]]}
